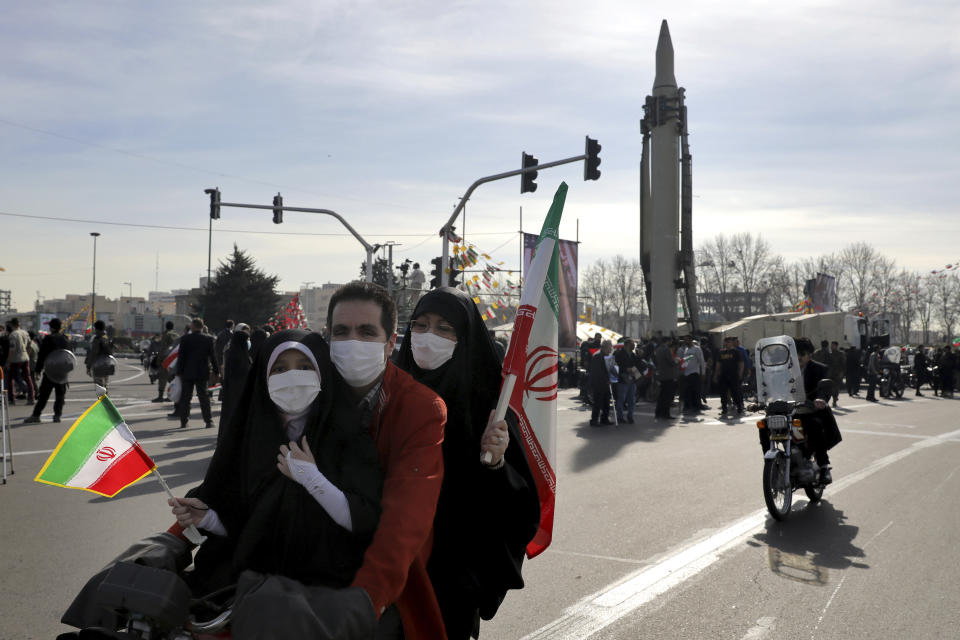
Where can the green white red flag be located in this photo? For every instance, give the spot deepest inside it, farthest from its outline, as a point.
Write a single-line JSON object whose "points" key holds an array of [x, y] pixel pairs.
{"points": [[532, 362], [99, 453]]}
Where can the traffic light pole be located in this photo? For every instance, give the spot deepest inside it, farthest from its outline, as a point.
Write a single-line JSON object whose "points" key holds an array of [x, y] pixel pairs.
{"points": [[369, 248], [447, 229]]}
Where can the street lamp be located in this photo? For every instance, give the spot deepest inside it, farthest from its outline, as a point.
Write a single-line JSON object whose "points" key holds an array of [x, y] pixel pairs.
{"points": [[93, 298]]}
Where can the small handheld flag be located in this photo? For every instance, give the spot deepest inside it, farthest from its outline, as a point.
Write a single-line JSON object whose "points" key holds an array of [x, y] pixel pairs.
{"points": [[100, 454]]}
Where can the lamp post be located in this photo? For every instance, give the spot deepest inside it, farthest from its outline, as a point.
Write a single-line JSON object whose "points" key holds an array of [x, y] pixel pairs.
{"points": [[93, 298], [129, 284]]}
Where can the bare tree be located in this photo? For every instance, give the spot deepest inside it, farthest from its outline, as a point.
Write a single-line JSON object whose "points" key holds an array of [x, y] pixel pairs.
{"points": [[926, 303], [715, 268], [947, 301], [858, 261], [883, 278], [626, 287], [905, 300], [752, 263], [596, 286]]}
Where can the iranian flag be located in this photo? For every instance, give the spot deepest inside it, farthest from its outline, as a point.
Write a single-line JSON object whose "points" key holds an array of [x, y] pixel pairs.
{"points": [[171, 358], [99, 453], [530, 369]]}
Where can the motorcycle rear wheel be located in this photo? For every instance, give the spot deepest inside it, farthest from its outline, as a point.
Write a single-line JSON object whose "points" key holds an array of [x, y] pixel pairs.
{"points": [[777, 491]]}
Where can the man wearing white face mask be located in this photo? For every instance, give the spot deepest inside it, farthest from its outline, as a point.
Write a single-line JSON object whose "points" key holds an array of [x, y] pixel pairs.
{"points": [[406, 422]]}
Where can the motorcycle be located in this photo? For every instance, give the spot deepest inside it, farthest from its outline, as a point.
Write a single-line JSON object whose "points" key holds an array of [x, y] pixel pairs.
{"points": [[891, 381], [141, 595], [788, 464]]}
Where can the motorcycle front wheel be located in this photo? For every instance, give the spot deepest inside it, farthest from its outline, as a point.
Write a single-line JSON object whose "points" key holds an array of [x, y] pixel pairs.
{"points": [[777, 492]]}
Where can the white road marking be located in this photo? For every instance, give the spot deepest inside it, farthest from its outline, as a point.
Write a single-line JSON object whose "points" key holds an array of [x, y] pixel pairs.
{"points": [[840, 584], [760, 630], [598, 557], [601, 609]]}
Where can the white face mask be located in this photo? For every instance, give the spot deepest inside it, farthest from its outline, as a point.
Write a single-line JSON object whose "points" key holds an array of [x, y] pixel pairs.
{"points": [[431, 351], [294, 391], [358, 361]]}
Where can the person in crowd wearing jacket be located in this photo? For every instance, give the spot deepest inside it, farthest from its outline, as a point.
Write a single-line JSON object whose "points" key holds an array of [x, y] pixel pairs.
{"points": [[51, 342], [196, 352]]}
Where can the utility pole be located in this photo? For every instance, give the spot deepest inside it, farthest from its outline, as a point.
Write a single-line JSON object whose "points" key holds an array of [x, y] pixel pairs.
{"points": [[93, 298]]}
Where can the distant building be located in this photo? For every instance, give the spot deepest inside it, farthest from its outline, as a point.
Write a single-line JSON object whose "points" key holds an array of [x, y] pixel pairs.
{"points": [[315, 301]]}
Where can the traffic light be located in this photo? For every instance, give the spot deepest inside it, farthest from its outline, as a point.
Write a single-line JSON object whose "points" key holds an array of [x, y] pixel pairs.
{"points": [[214, 202], [591, 166], [454, 275], [435, 280], [528, 180], [277, 208]]}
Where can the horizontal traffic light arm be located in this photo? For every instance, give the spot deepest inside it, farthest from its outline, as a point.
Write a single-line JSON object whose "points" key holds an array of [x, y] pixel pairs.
{"points": [[501, 176], [366, 245]]}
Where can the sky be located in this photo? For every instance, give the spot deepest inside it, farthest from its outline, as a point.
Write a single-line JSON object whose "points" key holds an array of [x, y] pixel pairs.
{"points": [[815, 124]]}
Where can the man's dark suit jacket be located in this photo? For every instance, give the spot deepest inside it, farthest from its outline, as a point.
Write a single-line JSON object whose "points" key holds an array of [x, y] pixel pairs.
{"points": [[196, 351]]}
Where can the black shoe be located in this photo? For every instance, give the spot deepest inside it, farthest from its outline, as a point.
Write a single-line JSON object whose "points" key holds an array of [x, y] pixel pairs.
{"points": [[31, 420], [629, 420], [183, 425], [825, 477], [172, 416], [919, 394], [594, 423], [157, 400], [605, 421], [56, 418], [208, 425]]}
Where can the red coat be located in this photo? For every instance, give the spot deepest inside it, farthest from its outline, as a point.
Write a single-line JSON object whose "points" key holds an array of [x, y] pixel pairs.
{"points": [[408, 431]]}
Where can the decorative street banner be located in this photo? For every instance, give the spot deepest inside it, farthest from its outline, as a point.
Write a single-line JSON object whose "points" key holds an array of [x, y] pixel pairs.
{"points": [[568, 286]]}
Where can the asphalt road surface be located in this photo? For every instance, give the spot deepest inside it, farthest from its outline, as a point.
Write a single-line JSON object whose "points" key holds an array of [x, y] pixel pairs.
{"points": [[661, 530]]}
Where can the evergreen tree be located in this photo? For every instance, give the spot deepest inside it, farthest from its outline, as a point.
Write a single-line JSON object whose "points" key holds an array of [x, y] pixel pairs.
{"points": [[239, 291]]}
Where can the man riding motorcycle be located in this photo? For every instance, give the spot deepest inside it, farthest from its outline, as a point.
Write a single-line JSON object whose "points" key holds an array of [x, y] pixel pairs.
{"points": [[820, 426]]}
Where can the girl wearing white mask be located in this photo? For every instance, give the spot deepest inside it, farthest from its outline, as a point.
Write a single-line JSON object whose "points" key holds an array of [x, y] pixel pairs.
{"points": [[293, 489], [487, 512]]}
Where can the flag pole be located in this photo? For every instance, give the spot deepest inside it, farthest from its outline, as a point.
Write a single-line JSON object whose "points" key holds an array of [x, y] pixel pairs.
{"points": [[193, 535]]}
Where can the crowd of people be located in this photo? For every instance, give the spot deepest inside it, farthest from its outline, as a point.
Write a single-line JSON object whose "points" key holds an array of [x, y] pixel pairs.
{"points": [[685, 371]]}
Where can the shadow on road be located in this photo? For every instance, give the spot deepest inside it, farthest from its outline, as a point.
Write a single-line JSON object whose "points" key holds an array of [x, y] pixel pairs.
{"points": [[811, 541], [604, 442]]}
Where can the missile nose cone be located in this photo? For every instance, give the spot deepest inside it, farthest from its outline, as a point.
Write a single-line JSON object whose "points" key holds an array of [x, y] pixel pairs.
{"points": [[664, 70]]}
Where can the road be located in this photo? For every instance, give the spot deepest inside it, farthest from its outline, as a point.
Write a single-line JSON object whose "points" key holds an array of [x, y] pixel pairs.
{"points": [[661, 530]]}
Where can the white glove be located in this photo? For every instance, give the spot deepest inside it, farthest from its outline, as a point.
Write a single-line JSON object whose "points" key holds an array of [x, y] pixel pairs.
{"points": [[323, 491], [211, 522]]}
